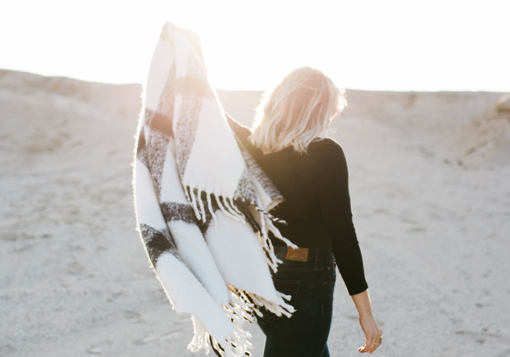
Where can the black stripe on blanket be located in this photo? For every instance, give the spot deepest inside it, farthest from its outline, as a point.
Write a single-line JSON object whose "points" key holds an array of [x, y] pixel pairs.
{"points": [[194, 87], [156, 154], [159, 121], [157, 243], [178, 212], [141, 148], [245, 188], [185, 131], [173, 211], [257, 173]]}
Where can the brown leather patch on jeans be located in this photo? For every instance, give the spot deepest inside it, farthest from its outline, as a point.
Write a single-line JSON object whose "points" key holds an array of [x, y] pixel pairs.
{"points": [[300, 254]]}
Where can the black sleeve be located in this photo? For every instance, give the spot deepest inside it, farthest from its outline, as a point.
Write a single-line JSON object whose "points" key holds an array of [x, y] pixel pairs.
{"points": [[337, 215], [240, 130]]}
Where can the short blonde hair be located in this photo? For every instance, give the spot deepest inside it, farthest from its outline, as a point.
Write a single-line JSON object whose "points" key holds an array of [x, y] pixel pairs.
{"points": [[296, 111]]}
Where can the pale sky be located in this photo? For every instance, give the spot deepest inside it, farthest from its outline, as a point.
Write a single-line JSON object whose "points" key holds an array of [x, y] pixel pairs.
{"points": [[374, 45]]}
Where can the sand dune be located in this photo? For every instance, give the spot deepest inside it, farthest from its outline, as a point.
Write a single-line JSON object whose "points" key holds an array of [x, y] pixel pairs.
{"points": [[432, 216], [486, 139]]}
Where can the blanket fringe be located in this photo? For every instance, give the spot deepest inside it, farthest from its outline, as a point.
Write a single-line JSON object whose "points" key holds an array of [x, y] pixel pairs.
{"points": [[278, 235], [240, 211], [228, 210], [235, 209], [209, 205], [271, 260], [235, 345], [246, 304], [267, 214], [278, 309], [226, 204], [266, 225]]}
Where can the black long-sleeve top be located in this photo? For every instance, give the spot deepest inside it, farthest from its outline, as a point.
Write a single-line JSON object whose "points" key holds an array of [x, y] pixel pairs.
{"points": [[316, 201]]}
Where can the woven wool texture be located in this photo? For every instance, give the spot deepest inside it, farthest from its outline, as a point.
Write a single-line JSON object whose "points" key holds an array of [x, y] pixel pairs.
{"points": [[201, 202]]}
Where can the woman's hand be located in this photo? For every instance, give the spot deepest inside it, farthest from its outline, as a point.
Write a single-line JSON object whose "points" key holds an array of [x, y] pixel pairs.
{"points": [[373, 333], [370, 327]]}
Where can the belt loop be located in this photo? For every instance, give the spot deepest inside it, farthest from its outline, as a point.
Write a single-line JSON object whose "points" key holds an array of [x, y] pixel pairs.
{"points": [[317, 259]]}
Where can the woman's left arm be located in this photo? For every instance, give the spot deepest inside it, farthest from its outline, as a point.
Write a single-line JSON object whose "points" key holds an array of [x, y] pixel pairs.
{"points": [[337, 216], [370, 327], [240, 130]]}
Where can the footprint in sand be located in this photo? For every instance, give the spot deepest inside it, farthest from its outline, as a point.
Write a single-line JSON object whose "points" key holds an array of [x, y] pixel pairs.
{"points": [[132, 316], [417, 229], [98, 348], [147, 339], [8, 350], [436, 216], [382, 211], [75, 268], [151, 338]]}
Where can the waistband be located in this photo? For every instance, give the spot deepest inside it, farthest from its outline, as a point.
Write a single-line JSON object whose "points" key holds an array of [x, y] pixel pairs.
{"points": [[325, 255]]}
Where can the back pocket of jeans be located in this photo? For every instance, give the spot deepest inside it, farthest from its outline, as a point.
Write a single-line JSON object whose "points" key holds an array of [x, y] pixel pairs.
{"points": [[287, 287], [330, 275]]}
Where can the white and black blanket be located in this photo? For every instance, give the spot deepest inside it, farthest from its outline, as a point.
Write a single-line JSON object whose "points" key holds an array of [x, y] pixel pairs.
{"points": [[201, 202]]}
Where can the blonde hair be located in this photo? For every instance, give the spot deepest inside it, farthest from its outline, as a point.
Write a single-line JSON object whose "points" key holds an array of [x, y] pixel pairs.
{"points": [[296, 111]]}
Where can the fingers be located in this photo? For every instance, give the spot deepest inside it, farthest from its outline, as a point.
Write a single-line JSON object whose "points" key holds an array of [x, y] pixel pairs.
{"points": [[363, 349], [373, 334], [366, 347], [372, 343], [369, 347], [375, 342]]}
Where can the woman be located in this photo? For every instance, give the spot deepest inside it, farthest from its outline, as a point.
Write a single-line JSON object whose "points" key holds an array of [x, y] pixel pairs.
{"points": [[311, 174]]}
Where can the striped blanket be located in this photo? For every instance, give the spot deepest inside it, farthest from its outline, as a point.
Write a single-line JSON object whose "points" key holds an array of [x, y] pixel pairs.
{"points": [[202, 202]]}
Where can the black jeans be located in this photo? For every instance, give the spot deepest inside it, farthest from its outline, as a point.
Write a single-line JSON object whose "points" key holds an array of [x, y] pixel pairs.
{"points": [[311, 285]]}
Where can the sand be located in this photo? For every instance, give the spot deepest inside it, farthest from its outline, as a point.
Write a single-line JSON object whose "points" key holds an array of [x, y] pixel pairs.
{"points": [[433, 223]]}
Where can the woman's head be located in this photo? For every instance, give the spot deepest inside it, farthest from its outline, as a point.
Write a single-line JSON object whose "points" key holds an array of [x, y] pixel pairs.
{"points": [[296, 111]]}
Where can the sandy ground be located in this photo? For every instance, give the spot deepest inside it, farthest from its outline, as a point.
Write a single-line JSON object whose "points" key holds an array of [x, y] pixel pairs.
{"points": [[433, 224]]}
